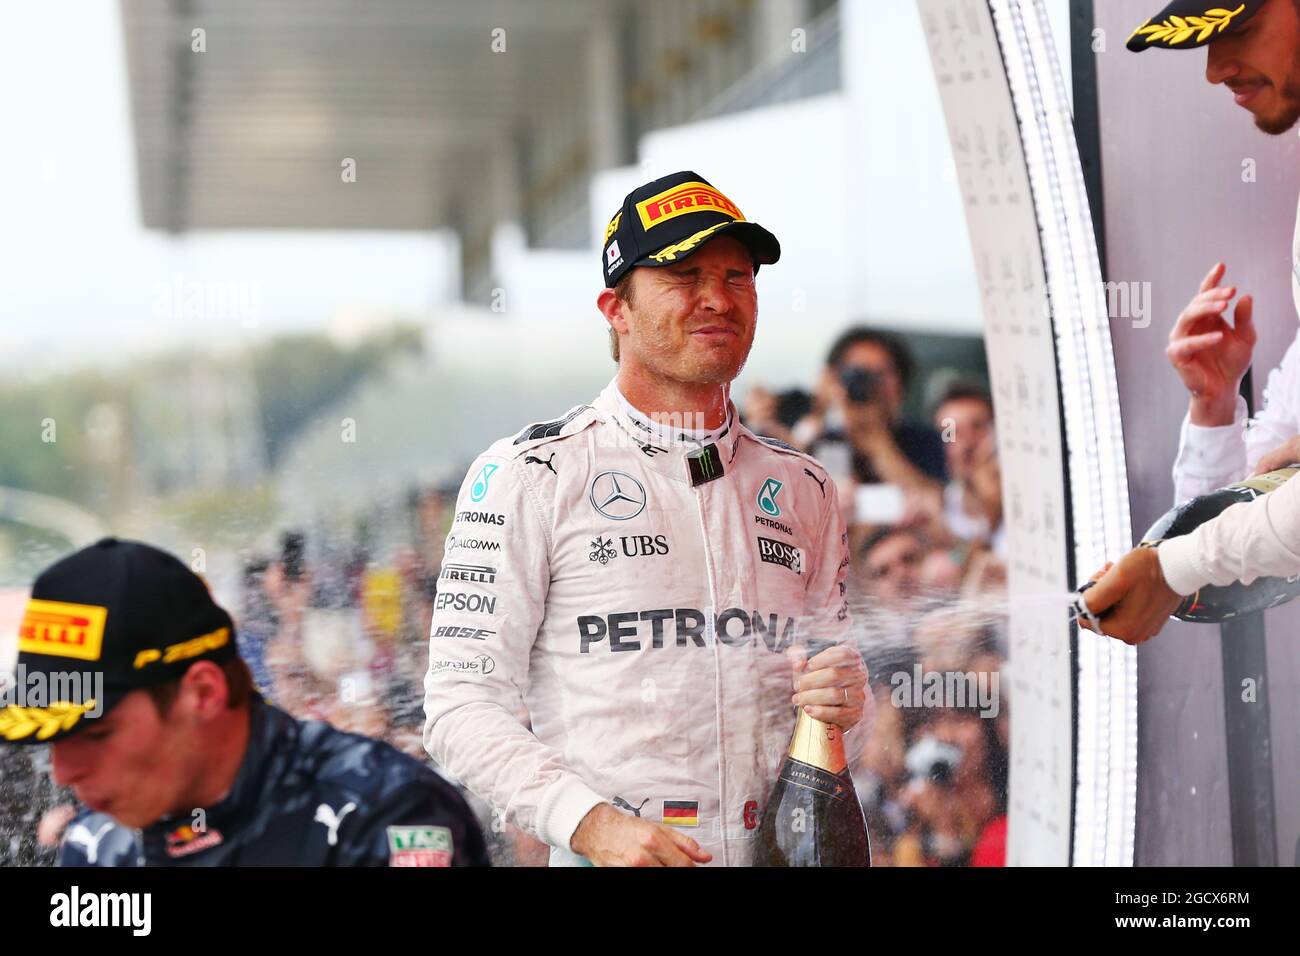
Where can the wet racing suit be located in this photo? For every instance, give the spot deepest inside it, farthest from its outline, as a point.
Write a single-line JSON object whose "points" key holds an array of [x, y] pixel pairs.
{"points": [[306, 794], [612, 616]]}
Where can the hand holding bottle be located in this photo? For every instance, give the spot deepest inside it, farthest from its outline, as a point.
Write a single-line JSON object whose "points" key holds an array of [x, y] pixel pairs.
{"points": [[1131, 598], [831, 686]]}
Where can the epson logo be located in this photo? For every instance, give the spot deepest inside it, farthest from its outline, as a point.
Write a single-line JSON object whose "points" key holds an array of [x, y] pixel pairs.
{"points": [[779, 552], [460, 601], [479, 517], [476, 574], [470, 633]]}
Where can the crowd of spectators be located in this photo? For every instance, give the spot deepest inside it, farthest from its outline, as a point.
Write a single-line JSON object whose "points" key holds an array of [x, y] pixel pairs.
{"points": [[922, 501]]}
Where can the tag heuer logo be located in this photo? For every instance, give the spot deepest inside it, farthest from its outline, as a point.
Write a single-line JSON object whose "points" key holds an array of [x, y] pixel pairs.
{"points": [[419, 846], [779, 552]]}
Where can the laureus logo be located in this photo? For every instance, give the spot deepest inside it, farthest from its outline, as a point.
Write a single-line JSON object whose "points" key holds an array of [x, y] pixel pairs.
{"points": [[767, 497], [480, 488]]}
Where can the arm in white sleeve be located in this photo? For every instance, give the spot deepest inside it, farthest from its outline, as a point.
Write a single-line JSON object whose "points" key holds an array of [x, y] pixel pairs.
{"points": [[479, 659], [1277, 421], [1253, 539], [1211, 457]]}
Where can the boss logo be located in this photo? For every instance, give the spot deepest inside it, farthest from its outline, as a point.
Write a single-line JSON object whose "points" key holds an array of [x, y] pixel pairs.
{"points": [[779, 552]]}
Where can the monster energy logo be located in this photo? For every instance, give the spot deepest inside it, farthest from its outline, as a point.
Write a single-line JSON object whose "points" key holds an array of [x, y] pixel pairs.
{"points": [[708, 467], [767, 497], [704, 464]]}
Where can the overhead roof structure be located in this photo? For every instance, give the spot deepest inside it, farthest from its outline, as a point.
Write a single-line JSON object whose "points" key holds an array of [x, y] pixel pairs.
{"points": [[424, 114], [249, 124]]}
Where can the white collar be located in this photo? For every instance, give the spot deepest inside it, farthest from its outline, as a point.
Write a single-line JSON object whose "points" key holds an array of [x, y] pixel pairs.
{"points": [[666, 430]]}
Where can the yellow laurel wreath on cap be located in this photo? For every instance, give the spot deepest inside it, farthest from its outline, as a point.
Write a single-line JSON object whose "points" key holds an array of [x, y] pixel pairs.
{"points": [[670, 253], [1177, 30], [17, 722]]}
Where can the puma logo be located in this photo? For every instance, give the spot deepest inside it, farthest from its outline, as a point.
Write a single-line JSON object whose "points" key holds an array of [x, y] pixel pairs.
{"points": [[81, 835], [325, 814], [820, 481], [624, 805], [534, 460]]}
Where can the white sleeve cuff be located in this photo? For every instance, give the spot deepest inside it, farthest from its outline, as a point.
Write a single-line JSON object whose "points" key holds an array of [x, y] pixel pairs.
{"points": [[1179, 562], [1216, 436], [1210, 457], [563, 806]]}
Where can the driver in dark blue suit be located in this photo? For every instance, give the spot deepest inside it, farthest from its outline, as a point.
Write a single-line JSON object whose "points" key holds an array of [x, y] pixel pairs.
{"points": [[155, 725]]}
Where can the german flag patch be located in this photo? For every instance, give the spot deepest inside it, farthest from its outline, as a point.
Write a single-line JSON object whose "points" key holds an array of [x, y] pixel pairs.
{"points": [[682, 813]]}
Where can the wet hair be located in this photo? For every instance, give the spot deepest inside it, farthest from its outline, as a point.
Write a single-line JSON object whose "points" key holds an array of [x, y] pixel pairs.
{"points": [[239, 687]]}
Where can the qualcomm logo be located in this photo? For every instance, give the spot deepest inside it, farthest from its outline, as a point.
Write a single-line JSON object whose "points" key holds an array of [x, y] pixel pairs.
{"points": [[767, 497], [617, 496]]}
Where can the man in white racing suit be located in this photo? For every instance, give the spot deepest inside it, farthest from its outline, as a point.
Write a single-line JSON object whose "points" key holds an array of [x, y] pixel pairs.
{"points": [[636, 595], [1254, 51]]}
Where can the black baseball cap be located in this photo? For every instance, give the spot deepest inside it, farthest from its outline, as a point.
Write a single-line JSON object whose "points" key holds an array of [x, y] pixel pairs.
{"points": [[104, 621], [666, 220], [1187, 24]]}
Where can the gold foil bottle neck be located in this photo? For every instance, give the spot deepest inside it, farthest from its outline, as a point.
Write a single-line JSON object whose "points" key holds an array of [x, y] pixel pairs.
{"points": [[1269, 481], [818, 743]]}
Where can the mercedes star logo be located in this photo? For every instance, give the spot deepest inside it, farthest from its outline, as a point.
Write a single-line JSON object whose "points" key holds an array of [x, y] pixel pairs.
{"points": [[617, 496]]}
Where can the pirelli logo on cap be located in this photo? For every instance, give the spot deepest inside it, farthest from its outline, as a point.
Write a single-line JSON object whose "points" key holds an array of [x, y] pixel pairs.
{"points": [[679, 200], [62, 630]]}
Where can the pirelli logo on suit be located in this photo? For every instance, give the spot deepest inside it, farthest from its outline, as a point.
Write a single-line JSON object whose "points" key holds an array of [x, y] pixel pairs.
{"points": [[470, 573]]}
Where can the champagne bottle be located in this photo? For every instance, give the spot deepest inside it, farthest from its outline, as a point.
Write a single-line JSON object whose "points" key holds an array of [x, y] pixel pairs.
{"points": [[1213, 604], [813, 817]]}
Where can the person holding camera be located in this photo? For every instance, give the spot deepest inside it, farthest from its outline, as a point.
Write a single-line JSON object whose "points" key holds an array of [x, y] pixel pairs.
{"points": [[858, 406]]}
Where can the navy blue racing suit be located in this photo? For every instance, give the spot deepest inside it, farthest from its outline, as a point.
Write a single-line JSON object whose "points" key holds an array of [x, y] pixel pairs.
{"points": [[306, 794]]}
